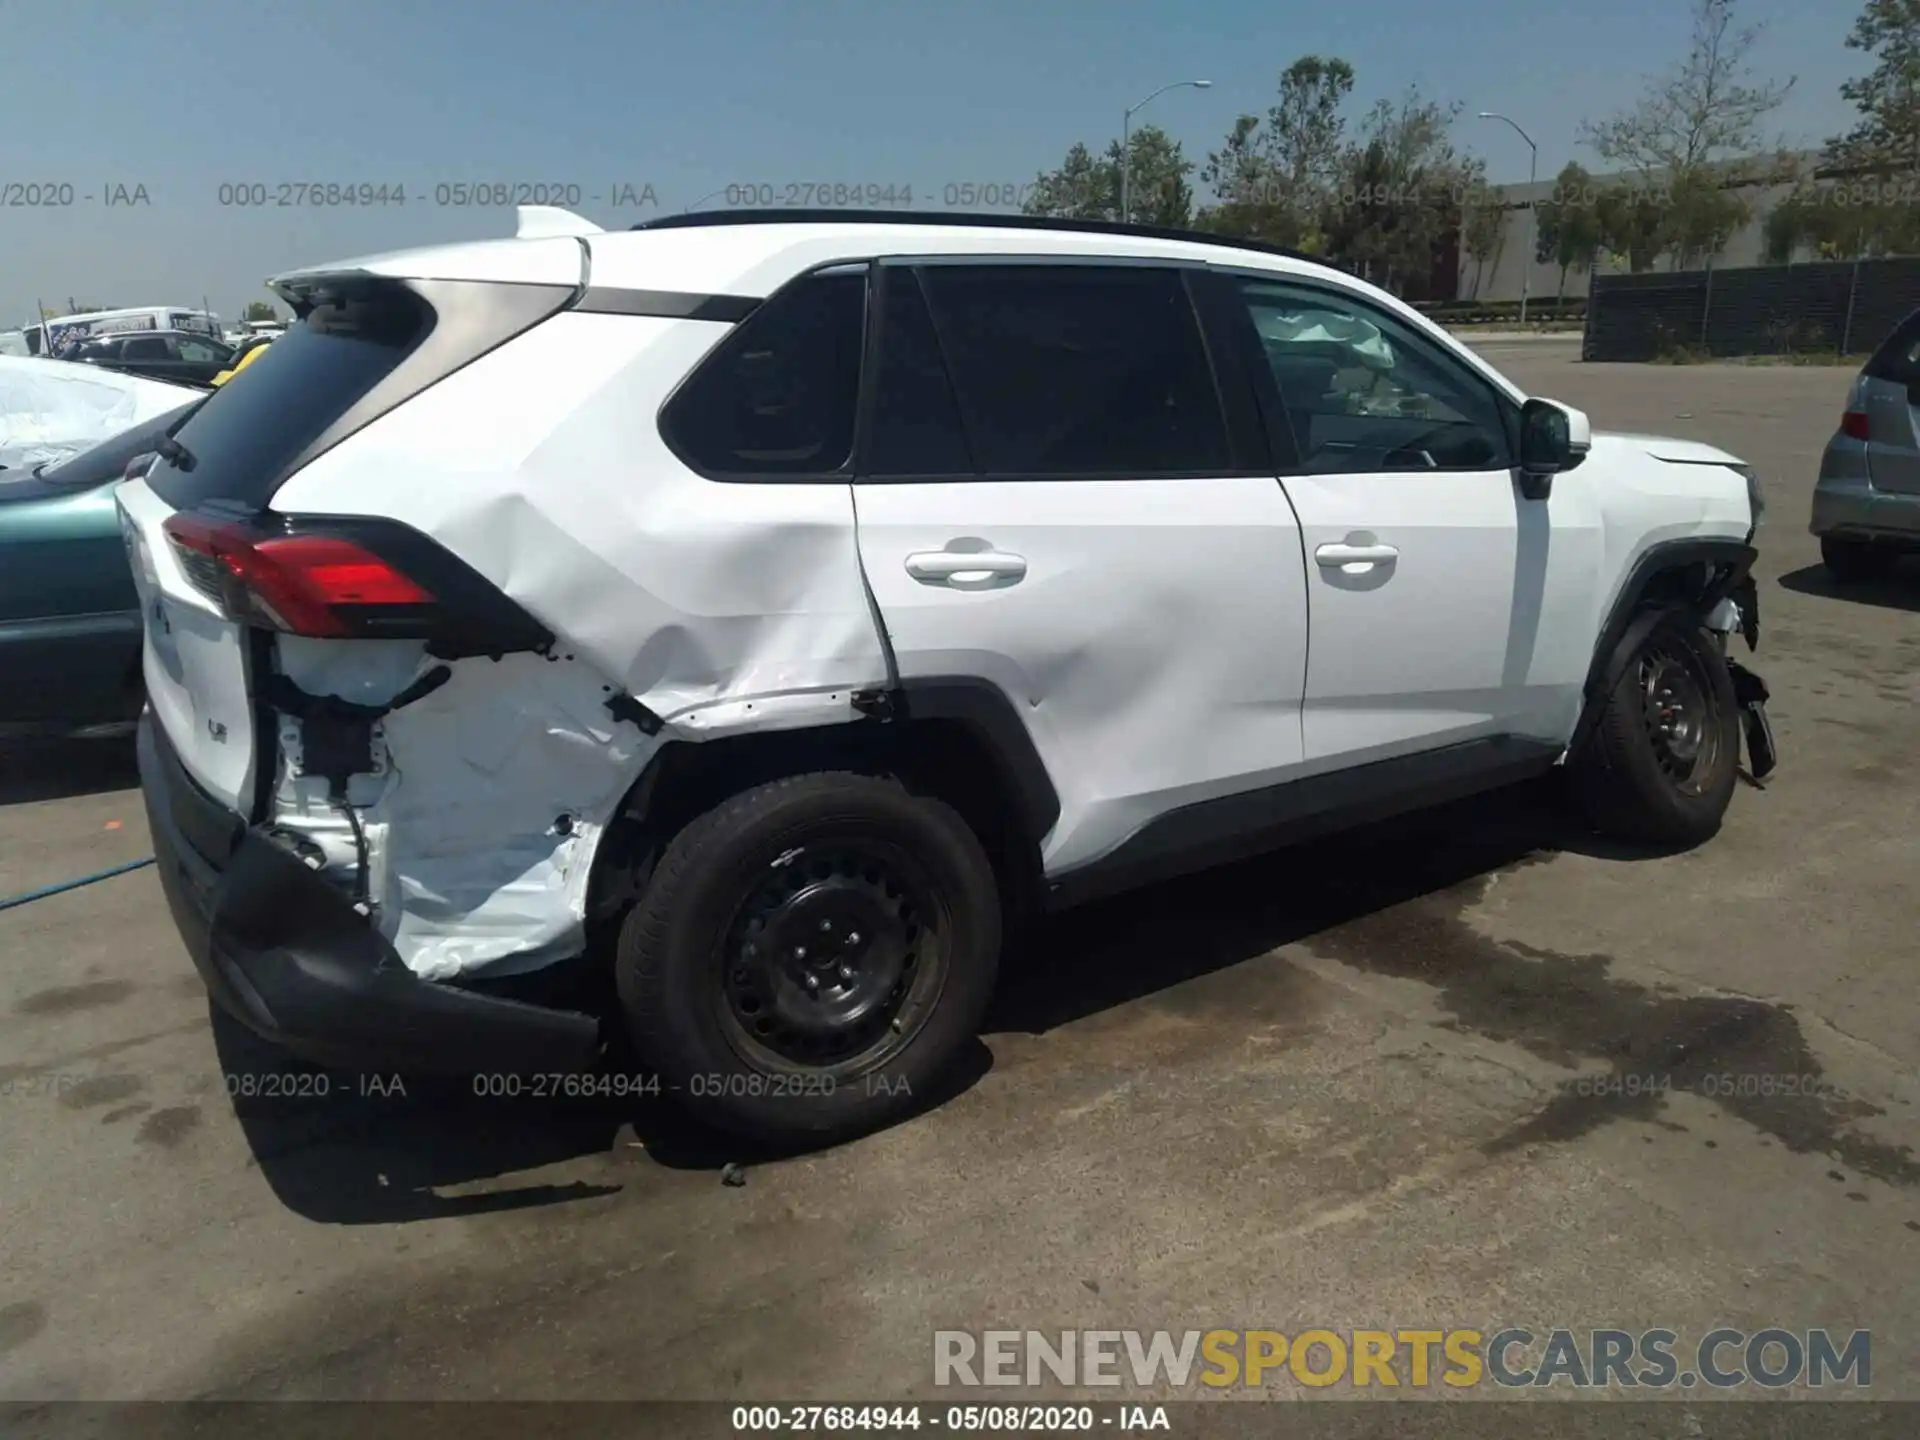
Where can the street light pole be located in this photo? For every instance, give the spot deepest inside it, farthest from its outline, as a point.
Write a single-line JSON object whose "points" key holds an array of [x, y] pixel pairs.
{"points": [[1126, 148], [1533, 209]]}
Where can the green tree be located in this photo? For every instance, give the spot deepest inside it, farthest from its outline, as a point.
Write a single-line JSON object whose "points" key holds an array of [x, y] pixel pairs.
{"points": [[1632, 223], [1703, 213], [1869, 204], [1271, 177], [1086, 186], [260, 310], [1887, 136], [1402, 190], [1568, 233]]}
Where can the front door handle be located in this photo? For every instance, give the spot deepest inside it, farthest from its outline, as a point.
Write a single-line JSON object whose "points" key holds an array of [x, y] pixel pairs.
{"points": [[966, 569], [1338, 557]]}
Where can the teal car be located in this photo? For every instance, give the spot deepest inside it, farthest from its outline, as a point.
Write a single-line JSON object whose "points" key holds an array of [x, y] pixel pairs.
{"points": [[69, 615]]}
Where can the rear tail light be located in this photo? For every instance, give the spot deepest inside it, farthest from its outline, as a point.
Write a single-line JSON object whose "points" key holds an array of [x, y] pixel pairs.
{"points": [[1853, 424], [315, 584], [348, 578]]}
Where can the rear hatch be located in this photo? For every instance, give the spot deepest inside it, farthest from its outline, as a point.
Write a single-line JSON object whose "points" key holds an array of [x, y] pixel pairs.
{"points": [[218, 571]]}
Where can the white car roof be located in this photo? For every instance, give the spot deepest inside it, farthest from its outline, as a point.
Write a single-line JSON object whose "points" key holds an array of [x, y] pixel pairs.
{"points": [[755, 259]]}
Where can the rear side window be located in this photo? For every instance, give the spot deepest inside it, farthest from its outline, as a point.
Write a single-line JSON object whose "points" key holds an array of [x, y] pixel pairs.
{"points": [[776, 398], [1078, 370], [258, 423], [1898, 358]]}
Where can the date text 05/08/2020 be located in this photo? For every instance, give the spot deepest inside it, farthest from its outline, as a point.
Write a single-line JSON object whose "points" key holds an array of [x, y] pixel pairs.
{"points": [[453, 194], [1011, 1419], [604, 1085], [855, 195]]}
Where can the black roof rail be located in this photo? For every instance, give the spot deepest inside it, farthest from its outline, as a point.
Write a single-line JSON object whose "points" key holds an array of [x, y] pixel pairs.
{"points": [[802, 216]]}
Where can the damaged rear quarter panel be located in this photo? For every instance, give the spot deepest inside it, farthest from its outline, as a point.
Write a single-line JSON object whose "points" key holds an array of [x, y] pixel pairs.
{"points": [[684, 591], [488, 800], [721, 607]]}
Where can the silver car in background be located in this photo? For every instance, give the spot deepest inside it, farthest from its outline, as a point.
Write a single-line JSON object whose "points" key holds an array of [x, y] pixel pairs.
{"points": [[1866, 506]]}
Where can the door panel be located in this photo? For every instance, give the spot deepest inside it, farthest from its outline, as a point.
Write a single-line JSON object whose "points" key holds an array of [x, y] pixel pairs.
{"points": [[1440, 639], [1444, 605], [1152, 633]]}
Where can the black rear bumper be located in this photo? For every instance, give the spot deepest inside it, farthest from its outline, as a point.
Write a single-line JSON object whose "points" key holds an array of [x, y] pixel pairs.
{"points": [[285, 953]]}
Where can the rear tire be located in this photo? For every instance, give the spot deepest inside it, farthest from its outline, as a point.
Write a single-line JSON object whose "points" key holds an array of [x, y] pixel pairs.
{"points": [[1661, 764], [810, 956], [1854, 561]]}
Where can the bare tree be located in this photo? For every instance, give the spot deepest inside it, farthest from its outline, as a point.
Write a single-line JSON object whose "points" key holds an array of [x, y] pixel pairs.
{"points": [[1483, 234], [1708, 108]]}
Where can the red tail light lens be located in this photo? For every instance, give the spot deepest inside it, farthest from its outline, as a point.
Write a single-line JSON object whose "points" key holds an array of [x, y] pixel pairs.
{"points": [[299, 584], [1853, 424]]}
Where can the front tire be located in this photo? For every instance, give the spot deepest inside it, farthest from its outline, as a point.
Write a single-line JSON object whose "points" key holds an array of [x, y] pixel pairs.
{"points": [[1661, 764], [1853, 562], [809, 957]]}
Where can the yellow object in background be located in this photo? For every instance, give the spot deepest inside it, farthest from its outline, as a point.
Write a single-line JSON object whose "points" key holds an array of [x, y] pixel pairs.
{"points": [[245, 360]]}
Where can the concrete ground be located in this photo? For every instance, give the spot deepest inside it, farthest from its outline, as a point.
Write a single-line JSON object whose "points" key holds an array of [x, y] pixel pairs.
{"points": [[1331, 1088]]}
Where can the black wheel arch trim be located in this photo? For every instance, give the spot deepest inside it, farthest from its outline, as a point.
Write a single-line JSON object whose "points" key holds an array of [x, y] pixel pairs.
{"points": [[1631, 619], [977, 706], [986, 710], [1255, 822]]}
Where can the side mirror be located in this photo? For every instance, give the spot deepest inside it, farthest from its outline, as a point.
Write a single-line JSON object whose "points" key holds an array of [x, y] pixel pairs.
{"points": [[1553, 438]]}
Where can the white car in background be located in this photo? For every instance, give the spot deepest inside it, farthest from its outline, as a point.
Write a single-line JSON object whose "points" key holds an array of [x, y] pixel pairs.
{"points": [[50, 410], [775, 608]]}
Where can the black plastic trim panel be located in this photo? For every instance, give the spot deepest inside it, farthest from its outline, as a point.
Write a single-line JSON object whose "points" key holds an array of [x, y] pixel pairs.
{"points": [[984, 708], [1621, 636], [1233, 827]]}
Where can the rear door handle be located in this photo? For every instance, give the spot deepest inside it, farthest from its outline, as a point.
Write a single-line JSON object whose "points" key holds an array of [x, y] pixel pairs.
{"points": [[966, 569], [1334, 557]]}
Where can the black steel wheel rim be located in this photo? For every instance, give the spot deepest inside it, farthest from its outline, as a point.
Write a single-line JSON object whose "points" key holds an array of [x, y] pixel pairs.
{"points": [[1677, 709], [833, 959]]}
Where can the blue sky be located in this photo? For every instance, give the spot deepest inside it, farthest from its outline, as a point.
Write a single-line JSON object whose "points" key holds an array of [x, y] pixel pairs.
{"points": [[181, 96]]}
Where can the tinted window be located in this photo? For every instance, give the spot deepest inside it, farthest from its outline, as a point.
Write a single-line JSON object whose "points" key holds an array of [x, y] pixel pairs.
{"points": [[201, 350], [916, 422], [1898, 358], [145, 348], [248, 432], [1363, 392], [1078, 369], [777, 396]]}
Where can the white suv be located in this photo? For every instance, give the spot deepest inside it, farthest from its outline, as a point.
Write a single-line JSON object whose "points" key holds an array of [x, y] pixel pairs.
{"points": [[801, 599]]}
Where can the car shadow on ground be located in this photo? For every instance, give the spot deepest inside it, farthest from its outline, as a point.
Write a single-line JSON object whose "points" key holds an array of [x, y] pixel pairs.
{"points": [[382, 1149], [35, 769], [1136, 945], [1897, 591]]}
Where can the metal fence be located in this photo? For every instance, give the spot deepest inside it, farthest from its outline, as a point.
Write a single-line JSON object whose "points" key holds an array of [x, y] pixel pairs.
{"points": [[1841, 307]]}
